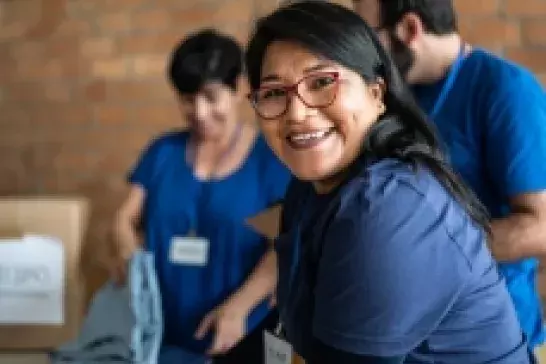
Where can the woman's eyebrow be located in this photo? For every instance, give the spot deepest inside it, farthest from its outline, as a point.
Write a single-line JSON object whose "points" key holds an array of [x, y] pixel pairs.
{"points": [[317, 67]]}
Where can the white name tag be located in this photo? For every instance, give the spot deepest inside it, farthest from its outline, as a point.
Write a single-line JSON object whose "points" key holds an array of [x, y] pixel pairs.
{"points": [[277, 350], [189, 250]]}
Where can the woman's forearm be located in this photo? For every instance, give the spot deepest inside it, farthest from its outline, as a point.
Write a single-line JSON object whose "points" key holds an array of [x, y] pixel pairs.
{"points": [[127, 236], [260, 284]]}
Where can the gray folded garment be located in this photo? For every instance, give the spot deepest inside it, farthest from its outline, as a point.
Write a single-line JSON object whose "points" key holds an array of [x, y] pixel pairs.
{"points": [[124, 323]]}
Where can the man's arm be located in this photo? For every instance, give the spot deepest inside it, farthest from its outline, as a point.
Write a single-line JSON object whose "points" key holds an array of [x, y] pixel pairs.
{"points": [[521, 234], [515, 146]]}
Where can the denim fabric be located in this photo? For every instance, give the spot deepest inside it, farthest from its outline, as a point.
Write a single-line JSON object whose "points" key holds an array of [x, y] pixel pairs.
{"points": [[124, 323]]}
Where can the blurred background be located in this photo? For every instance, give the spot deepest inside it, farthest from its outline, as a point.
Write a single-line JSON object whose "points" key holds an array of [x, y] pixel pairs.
{"points": [[83, 89]]}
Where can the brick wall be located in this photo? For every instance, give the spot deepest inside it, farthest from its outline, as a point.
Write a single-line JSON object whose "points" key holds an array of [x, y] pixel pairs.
{"points": [[82, 85]]}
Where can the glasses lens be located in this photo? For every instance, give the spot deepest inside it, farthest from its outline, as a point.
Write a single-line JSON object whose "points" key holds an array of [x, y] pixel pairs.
{"points": [[270, 102], [318, 90]]}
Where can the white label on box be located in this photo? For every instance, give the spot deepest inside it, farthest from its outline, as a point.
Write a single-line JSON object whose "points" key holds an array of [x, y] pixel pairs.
{"points": [[32, 279]]}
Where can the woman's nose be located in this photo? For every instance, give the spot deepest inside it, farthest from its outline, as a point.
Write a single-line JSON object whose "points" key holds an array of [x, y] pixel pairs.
{"points": [[296, 109]]}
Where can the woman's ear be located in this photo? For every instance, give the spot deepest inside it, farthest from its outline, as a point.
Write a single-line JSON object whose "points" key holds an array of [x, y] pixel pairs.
{"points": [[377, 90]]}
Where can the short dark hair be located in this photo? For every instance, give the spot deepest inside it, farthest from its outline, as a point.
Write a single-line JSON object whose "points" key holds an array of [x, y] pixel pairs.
{"points": [[438, 16], [336, 33], [203, 57]]}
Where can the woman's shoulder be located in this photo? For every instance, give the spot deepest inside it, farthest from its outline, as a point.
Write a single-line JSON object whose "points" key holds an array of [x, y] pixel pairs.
{"points": [[170, 138], [394, 187], [163, 144], [397, 190], [385, 178]]}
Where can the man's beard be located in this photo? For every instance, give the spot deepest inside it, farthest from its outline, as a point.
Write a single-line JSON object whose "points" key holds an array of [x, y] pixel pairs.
{"points": [[402, 55]]}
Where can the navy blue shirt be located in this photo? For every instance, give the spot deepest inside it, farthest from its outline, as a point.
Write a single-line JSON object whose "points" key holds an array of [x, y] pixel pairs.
{"points": [[177, 203], [493, 125], [388, 265]]}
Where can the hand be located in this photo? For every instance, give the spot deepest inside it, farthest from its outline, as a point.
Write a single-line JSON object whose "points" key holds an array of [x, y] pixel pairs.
{"points": [[117, 270], [273, 300], [116, 262], [229, 323]]}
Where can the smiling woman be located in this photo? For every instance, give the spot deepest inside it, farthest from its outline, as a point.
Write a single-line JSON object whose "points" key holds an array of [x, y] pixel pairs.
{"points": [[382, 255]]}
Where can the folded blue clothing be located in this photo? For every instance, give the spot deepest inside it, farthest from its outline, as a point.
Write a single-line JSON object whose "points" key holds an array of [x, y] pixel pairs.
{"points": [[124, 323]]}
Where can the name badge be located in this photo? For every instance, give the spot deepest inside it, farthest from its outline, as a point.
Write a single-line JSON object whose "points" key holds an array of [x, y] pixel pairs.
{"points": [[189, 250], [277, 350]]}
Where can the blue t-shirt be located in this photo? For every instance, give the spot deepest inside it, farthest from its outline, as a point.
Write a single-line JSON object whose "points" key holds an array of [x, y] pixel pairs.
{"points": [[493, 125], [392, 265], [177, 203]]}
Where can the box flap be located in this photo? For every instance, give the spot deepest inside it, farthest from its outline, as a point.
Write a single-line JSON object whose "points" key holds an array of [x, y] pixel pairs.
{"points": [[267, 222]]}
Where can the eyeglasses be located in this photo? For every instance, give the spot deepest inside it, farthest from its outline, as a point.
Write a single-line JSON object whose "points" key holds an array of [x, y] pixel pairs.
{"points": [[317, 90]]}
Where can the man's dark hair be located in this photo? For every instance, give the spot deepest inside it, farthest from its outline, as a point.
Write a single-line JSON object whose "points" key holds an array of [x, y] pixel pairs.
{"points": [[438, 16], [203, 57]]}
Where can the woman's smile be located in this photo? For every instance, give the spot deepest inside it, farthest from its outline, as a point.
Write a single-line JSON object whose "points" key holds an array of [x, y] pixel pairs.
{"points": [[308, 139]]}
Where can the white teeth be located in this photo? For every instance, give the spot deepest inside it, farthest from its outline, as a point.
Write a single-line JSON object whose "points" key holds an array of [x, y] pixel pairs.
{"points": [[308, 136]]}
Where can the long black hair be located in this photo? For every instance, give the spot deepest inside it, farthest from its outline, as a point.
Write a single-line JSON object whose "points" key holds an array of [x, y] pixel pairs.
{"points": [[336, 33]]}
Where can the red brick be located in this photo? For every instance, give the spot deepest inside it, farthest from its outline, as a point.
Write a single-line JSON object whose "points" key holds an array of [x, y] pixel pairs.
{"points": [[137, 91], [116, 68], [154, 19], [95, 91], [144, 43], [8, 70], [234, 11], [111, 115], [57, 92], [46, 117], [237, 30], [534, 59], [534, 31], [27, 50], [112, 162], [119, 5], [12, 116], [60, 47], [17, 18], [74, 66], [158, 116], [49, 19], [494, 32], [33, 70], [192, 19], [476, 7], [72, 160], [73, 26], [530, 8], [97, 47], [149, 65], [114, 23]]}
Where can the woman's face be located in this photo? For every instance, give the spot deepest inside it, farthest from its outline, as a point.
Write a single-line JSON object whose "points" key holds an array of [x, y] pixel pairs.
{"points": [[320, 133], [211, 111]]}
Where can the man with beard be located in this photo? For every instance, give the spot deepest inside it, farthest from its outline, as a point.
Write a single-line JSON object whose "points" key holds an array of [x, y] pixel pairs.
{"points": [[491, 115]]}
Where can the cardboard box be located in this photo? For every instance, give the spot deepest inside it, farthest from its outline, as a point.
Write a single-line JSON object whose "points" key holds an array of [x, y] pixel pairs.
{"points": [[65, 219], [24, 358]]}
